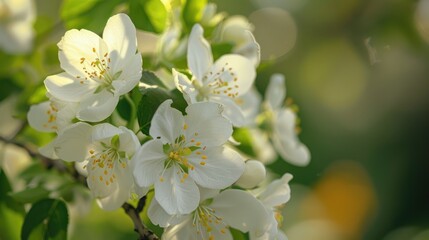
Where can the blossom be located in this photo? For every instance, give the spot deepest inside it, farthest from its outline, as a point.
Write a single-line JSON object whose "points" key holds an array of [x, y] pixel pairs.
{"points": [[254, 174], [107, 151], [214, 215], [282, 124], [52, 115], [97, 70], [16, 25], [186, 151], [222, 82], [273, 196]]}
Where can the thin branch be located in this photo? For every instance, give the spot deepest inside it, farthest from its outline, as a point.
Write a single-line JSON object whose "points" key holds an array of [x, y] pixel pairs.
{"points": [[48, 163], [144, 233]]}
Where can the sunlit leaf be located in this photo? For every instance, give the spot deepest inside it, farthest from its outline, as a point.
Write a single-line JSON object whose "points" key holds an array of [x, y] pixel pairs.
{"points": [[148, 15], [193, 11]]}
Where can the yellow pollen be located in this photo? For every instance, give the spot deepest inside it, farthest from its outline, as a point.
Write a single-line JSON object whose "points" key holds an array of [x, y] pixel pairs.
{"points": [[198, 144], [107, 183], [185, 126], [105, 172], [101, 178], [93, 49], [91, 151], [123, 165], [204, 157], [202, 163], [161, 179]]}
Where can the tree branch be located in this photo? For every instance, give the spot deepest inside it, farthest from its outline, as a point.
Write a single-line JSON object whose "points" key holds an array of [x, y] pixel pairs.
{"points": [[48, 163]]}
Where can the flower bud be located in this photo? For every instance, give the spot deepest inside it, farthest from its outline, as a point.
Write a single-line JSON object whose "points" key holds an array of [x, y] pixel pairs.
{"points": [[254, 173]]}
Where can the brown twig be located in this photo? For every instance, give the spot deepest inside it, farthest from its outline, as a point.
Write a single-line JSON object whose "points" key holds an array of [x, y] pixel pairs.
{"points": [[48, 163]]}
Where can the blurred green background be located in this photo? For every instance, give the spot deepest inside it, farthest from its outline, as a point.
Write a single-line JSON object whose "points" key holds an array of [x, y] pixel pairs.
{"points": [[358, 70]]}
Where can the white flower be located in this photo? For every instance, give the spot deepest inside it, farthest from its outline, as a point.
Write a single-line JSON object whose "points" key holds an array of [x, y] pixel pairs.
{"points": [[282, 122], [52, 115], [213, 217], [273, 196], [16, 25], [97, 70], [222, 82], [186, 151], [238, 30], [106, 150]]}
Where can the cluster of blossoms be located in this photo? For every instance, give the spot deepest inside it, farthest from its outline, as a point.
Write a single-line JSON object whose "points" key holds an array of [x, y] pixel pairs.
{"points": [[203, 185]]}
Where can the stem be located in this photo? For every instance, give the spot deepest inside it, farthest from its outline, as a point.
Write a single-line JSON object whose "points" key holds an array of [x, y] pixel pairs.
{"points": [[144, 233], [133, 116]]}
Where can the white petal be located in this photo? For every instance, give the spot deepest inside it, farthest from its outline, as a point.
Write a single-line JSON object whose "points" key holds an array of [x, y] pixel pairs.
{"points": [[185, 86], [119, 189], [120, 36], [206, 193], [200, 56], [97, 107], [254, 173], [276, 91], [149, 163], [167, 123], [104, 131], [147, 42], [250, 49], [181, 231], [39, 117], [174, 195], [285, 140], [262, 146], [231, 110], [240, 210], [128, 141], [216, 168], [277, 192], [130, 76], [157, 214], [77, 45], [73, 143], [235, 70], [68, 88], [250, 106], [205, 124]]}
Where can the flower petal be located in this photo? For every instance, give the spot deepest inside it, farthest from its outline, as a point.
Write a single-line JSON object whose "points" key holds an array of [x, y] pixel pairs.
{"points": [[148, 163], [120, 36], [277, 192], [276, 91], [176, 194], [200, 56], [240, 210], [97, 107], [205, 124], [130, 75], [65, 87], [285, 140], [78, 49], [73, 143], [157, 214], [128, 141], [167, 123], [185, 86], [231, 110], [104, 131], [39, 117], [216, 168]]}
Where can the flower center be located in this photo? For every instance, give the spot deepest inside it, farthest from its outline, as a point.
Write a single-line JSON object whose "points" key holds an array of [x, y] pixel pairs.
{"points": [[223, 82], [52, 117], [98, 70], [205, 220], [103, 162]]}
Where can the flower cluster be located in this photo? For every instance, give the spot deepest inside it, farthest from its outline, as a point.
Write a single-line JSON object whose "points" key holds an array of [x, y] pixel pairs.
{"points": [[189, 157]]}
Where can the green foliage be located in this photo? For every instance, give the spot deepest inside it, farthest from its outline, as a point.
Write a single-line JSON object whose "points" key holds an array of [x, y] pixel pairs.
{"points": [[148, 15], [11, 212], [237, 235], [193, 11], [219, 49], [89, 14], [243, 136], [51, 214], [30, 195], [150, 78]]}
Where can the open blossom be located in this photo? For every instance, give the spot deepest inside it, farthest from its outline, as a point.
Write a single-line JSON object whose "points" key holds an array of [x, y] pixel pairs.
{"points": [[16, 25], [97, 70], [51, 116], [186, 151], [107, 151], [282, 121], [213, 217], [273, 197], [222, 82]]}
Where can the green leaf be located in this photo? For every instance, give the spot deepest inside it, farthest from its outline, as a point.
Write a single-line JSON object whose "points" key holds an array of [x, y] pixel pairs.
{"points": [[243, 136], [81, 14], [30, 195], [193, 12], [149, 103], [150, 78], [237, 235], [52, 214], [148, 15], [11, 212], [220, 49]]}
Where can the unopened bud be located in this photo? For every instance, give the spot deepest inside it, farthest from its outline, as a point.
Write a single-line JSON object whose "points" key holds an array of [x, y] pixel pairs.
{"points": [[254, 173]]}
